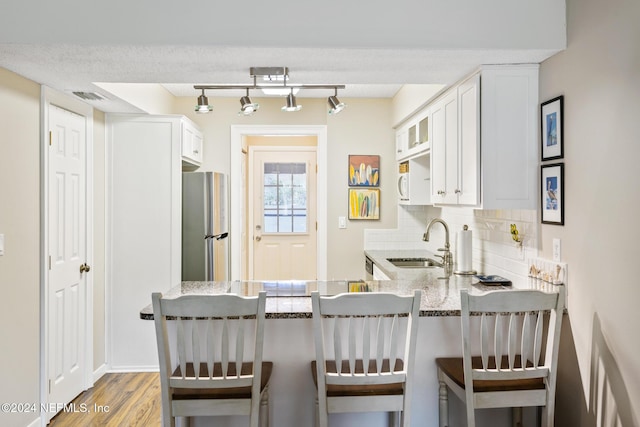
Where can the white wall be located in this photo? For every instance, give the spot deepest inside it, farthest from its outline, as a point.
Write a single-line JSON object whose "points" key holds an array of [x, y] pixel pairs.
{"points": [[599, 76], [20, 224]]}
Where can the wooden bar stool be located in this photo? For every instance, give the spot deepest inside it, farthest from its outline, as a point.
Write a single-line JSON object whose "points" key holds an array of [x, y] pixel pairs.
{"points": [[365, 351], [507, 369], [205, 372]]}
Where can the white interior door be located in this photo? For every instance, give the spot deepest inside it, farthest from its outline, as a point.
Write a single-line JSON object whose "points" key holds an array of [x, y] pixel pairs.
{"points": [[284, 223], [67, 311]]}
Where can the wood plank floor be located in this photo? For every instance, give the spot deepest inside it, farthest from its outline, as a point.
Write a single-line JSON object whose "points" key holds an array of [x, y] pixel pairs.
{"points": [[119, 399]]}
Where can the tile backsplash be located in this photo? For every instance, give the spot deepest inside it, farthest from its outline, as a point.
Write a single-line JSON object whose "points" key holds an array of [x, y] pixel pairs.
{"points": [[494, 250]]}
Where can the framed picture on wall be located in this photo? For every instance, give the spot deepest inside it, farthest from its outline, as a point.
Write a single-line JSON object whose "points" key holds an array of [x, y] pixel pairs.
{"points": [[552, 193], [364, 203], [551, 125], [364, 170]]}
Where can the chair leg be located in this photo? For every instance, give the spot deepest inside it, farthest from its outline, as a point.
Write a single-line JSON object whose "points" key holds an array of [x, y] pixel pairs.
{"points": [[547, 418], [394, 419], [516, 417], [264, 408], [443, 409]]}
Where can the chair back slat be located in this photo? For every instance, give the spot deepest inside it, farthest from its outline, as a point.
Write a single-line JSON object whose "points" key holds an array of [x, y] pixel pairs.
{"points": [[513, 340], [182, 350], [211, 346], [351, 327], [380, 345], [195, 347], [337, 343], [538, 338], [366, 344], [521, 314], [394, 352], [240, 346]]}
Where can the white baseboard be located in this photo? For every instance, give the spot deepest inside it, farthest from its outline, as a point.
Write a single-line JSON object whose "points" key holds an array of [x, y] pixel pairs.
{"points": [[98, 373], [137, 368], [36, 423]]}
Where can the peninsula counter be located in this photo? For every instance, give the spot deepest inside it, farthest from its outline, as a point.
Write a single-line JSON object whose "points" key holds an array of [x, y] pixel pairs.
{"points": [[289, 342]]}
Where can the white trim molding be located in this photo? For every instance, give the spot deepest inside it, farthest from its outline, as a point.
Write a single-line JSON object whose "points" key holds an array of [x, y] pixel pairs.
{"points": [[238, 132]]}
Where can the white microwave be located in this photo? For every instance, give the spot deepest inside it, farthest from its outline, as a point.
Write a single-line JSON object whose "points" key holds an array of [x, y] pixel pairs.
{"points": [[414, 181]]}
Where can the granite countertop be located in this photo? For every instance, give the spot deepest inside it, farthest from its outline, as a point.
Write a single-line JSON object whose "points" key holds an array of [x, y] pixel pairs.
{"points": [[291, 299]]}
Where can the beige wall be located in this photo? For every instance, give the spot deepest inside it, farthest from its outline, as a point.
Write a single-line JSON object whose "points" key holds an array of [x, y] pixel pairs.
{"points": [[363, 128], [20, 224], [599, 76]]}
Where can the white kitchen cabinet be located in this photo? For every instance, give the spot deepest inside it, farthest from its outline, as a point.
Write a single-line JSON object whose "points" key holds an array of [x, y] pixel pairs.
{"points": [[484, 151], [413, 137], [144, 227], [378, 274], [192, 144]]}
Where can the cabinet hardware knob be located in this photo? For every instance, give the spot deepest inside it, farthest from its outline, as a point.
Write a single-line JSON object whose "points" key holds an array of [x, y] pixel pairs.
{"points": [[458, 191]]}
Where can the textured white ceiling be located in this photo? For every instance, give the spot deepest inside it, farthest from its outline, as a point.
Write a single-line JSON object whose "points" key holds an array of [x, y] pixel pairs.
{"points": [[373, 51]]}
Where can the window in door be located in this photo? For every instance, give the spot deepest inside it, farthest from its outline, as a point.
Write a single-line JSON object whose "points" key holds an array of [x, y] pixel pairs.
{"points": [[285, 198]]}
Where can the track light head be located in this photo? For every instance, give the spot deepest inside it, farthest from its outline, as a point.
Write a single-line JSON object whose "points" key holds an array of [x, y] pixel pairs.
{"points": [[247, 107], [335, 104], [291, 103], [203, 106]]}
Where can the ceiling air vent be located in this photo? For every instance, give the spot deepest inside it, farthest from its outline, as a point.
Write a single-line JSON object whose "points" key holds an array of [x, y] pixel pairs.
{"points": [[89, 96]]}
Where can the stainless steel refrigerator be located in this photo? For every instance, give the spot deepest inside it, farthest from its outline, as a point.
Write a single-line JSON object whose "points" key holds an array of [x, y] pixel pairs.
{"points": [[205, 226]]}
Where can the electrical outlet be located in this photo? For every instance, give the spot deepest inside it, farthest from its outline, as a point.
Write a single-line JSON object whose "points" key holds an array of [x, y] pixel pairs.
{"points": [[556, 250], [1, 244]]}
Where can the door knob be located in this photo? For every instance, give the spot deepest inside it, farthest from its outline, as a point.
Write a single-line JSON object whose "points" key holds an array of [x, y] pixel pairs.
{"points": [[258, 238], [84, 268]]}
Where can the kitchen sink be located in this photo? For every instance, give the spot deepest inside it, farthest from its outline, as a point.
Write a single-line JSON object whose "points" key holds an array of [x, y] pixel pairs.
{"points": [[414, 262]]}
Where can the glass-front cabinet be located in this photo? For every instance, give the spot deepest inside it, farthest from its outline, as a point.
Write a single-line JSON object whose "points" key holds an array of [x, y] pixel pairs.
{"points": [[413, 137]]}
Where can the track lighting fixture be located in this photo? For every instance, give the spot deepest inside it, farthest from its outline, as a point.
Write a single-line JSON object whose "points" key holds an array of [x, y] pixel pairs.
{"points": [[246, 106], [291, 103], [275, 81], [203, 106], [335, 104]]}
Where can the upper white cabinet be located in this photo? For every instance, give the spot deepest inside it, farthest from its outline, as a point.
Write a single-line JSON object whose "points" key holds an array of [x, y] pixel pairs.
{"points": [[192, 144], [484, 133], [413, 137]]}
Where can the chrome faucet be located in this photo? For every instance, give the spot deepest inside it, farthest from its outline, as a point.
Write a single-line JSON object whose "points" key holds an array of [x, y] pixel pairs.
{"points": [[446, 256]]}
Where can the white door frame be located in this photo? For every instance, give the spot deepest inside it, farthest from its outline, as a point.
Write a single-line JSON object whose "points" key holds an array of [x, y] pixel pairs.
{"points": [[237, 134], [49, 97]]}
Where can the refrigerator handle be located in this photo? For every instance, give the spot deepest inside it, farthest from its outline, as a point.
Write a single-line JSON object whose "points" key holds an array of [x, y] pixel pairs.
{"points": [[217, 236]]}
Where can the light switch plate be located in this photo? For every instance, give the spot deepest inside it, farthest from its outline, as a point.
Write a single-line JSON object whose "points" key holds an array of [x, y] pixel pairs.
{"points": [[1, 244], [556, 250], [342, 222]]}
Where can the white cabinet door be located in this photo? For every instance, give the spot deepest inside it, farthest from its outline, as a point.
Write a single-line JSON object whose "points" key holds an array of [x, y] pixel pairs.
{"points": [[468, 187], [192, 142], [379, 274], [444, 149], [144, 229], [509, 140], [401, 143]]}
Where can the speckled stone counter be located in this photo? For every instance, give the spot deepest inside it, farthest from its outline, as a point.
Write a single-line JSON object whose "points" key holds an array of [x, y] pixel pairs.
{"points": [[289, 337], [291, 299]]}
